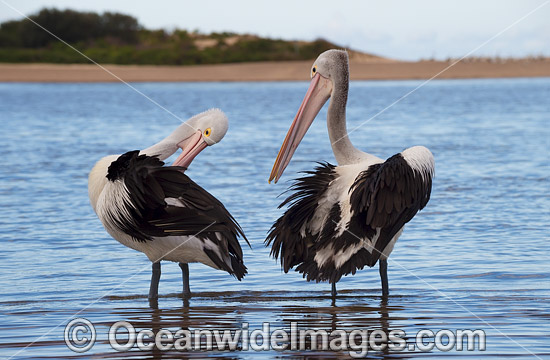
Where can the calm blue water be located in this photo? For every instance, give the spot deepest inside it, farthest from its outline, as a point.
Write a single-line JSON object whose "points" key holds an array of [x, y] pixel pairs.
{"points": [[477, 257]]}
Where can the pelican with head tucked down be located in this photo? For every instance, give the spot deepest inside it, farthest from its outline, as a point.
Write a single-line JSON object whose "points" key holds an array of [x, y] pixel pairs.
{"points": [[160, 211], [344, 217]]}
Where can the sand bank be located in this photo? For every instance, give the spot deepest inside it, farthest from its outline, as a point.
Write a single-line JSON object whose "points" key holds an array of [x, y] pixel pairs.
{"points": [[270, 71]]}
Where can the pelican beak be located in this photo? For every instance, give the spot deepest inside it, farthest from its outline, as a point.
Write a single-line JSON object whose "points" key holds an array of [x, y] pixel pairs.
{"points": [[318, 93], [190, 147]]}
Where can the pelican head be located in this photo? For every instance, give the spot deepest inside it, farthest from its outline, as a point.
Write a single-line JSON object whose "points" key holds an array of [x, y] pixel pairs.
{"points": [[208, 127], [212, 124], [193, 136], [331, 67]]}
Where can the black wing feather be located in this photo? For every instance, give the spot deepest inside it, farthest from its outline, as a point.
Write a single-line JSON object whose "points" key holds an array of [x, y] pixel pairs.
{"points": [[285, 232], [149, 183], [387, 196]]}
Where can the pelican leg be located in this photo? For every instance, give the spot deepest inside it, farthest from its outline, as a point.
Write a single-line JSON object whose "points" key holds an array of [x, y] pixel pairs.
{"points": [[185, 274], [155, 277], [384, 277], [333, 291]]}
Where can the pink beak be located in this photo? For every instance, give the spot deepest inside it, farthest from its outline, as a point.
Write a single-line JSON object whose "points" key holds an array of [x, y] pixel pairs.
{"points": [[190, 147], [317, 94]]}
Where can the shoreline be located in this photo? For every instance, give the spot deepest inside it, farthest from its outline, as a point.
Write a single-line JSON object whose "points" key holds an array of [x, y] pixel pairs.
{"points": [[270, 71]]}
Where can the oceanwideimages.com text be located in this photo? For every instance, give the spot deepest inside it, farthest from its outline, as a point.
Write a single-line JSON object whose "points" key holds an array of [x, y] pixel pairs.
{"points": [[80, 336]]}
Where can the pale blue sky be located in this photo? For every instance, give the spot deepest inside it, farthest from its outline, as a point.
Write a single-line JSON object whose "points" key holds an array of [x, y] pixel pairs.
{"points": [[407, 30]]}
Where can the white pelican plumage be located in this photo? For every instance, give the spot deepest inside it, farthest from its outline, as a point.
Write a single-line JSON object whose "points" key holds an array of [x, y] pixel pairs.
{"points": [[160, 211], [344, 217]]}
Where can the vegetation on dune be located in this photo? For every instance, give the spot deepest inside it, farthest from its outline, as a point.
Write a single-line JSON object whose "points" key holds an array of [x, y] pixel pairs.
{"points": [[119, 39]]}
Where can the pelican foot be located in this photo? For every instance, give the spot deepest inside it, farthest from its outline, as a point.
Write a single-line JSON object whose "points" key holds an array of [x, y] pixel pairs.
{"points": [[154, 303], [155, 277], [186, 293], [384, 277]]}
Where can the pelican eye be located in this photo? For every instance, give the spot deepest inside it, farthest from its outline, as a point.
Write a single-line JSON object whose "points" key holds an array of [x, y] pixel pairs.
{"points": [[313, 71], [207, 132]]}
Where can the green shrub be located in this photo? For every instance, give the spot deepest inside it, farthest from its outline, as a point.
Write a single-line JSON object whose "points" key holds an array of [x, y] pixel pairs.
{"points": [[119, 39]]}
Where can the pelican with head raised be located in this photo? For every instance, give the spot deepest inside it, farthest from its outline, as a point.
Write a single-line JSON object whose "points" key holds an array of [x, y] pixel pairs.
{"points": [[344, 217], [160, 211]]}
